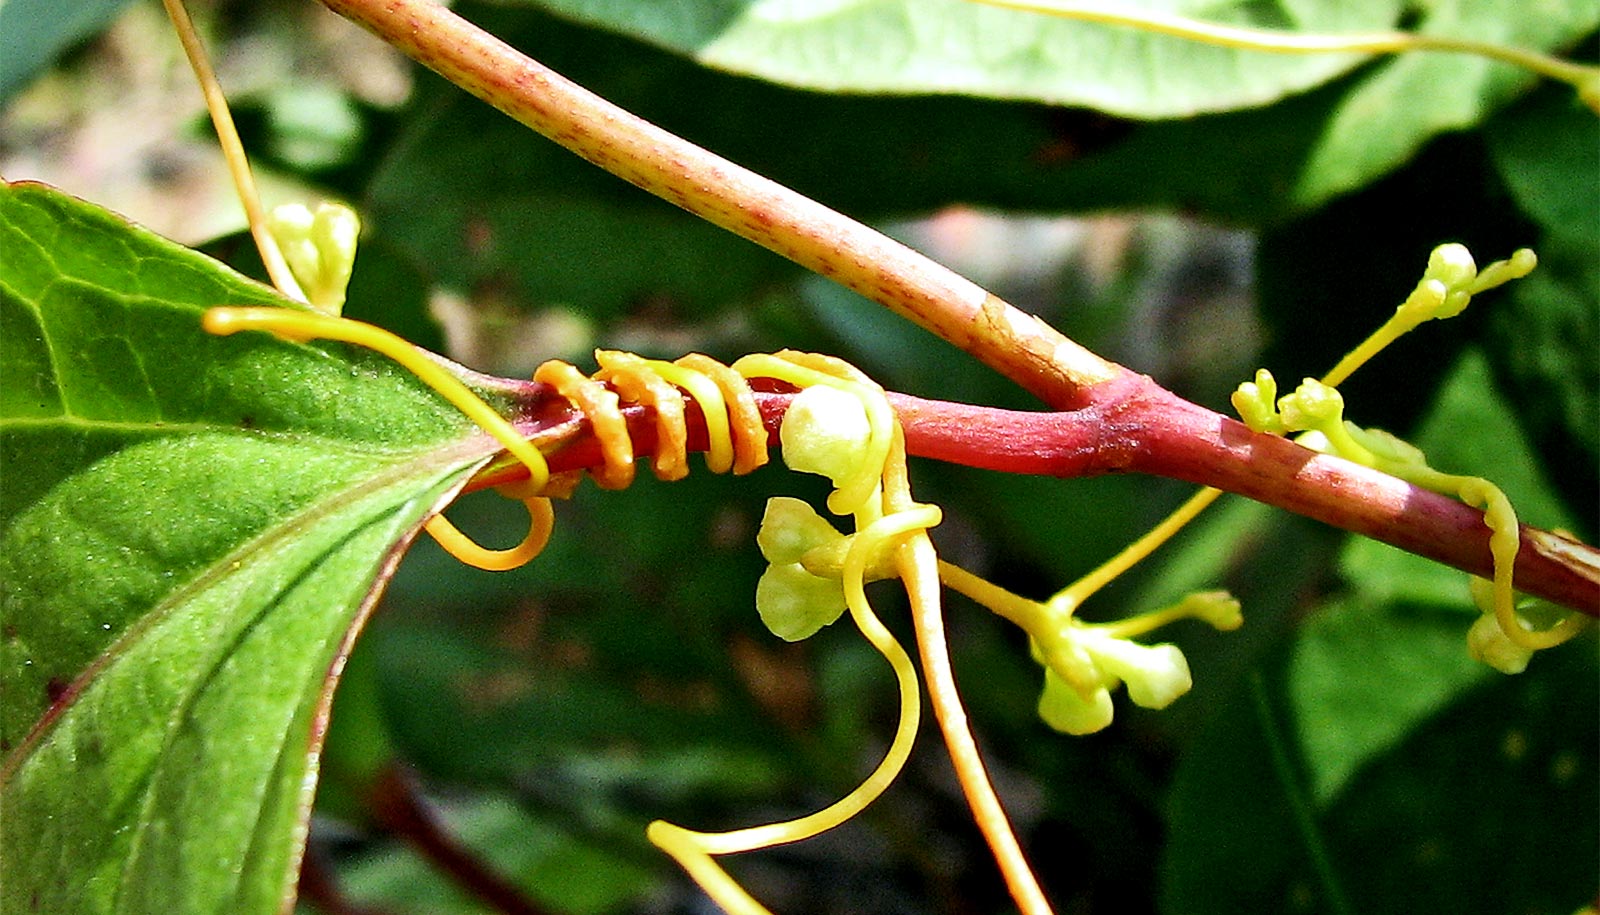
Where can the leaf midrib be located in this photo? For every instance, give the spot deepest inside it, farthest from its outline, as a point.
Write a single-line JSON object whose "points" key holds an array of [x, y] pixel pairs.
{"points": [[461, 456]]}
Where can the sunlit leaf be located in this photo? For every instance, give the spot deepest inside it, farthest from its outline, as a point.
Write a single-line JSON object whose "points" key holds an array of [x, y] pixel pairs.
{"points": [[951, 46]]}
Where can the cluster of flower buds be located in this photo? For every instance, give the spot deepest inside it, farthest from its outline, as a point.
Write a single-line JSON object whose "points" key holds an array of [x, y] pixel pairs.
{"points": [[1504, 637], [320, 249], [1084, 662], [801, 590]]}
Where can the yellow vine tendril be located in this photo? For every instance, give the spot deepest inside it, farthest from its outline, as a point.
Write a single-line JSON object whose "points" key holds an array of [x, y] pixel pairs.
{"points": [[1448, 285], [877, 532], [541, 522], [724, 400], [233, 152], [303, 326], [1584, 78]]}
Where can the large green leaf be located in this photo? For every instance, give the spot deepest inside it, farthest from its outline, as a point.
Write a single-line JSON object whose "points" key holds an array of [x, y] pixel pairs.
{"points": [[957, 47], [1397, 106], [1262, 164], [191, 529], [1488, 806]]}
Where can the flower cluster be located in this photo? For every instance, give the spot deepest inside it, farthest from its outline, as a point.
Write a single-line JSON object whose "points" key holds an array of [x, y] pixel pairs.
{"points": [[1504, 637], [802, 589], [320, 249], [1084, 662]]}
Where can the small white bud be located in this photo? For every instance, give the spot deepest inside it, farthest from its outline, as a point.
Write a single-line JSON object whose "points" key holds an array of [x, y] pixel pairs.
{"points": [[794, 604], [825, 432], [1452, 264], [1069, 711]]}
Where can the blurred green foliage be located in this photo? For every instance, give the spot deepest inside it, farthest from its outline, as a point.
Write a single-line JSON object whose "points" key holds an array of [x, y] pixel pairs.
{"points": [[1337, 755]]}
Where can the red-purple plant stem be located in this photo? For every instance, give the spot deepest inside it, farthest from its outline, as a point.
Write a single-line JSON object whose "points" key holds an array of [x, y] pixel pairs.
{"points": [[320, 888], [397, 806], [1060, 372], [1136, 426]]}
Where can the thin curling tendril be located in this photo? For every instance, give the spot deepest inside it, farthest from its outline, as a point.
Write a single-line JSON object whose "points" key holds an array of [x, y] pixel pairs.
{"points": [[878, 535], [233, 152], [300, 327], [735, 433], [601, 406], [541, 521]]}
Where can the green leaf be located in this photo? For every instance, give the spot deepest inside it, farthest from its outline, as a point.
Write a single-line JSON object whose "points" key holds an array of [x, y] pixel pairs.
{"points": [[1487, 806], [191, 530], [1261, 165], [1397, 105], [956, 47], [1546, 151], [33, 32]]}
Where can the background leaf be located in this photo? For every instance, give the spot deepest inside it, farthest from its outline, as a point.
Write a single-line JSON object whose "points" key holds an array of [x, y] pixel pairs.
{"points": [[191, 527], [1543, 340], [33, 32], [949, 46]]}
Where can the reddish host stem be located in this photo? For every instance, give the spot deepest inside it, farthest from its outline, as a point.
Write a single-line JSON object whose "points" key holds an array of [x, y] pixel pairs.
{"points": [[1133, 425]]}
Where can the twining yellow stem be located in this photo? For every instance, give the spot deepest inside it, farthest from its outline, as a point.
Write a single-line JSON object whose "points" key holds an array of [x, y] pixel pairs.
{"points": [[541, 522], [300, 326], [685, 847], [693, 850], [1585, 78], [713, 409], [920, 569], [233, 152], [1069, 598]]}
